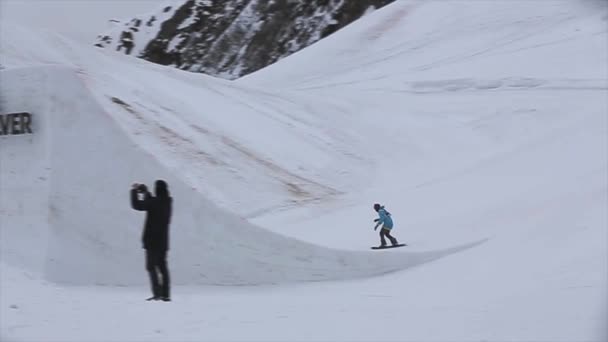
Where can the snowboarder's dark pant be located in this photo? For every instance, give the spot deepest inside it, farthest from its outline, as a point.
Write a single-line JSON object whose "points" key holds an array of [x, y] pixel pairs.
{"points": [[156, 264], [387, 232]]}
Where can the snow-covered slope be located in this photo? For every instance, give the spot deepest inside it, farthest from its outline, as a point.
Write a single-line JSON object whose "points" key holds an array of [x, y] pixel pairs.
{"points": [[229, 136], [420, 47], [78, 166], [468, 119]]}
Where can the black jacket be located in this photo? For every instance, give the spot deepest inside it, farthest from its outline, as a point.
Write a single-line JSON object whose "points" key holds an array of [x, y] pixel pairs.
{"points": [[158, 218]]}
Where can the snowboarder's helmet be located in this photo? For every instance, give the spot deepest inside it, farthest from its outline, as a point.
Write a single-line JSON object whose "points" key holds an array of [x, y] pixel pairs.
{"points": [[377, 207]]}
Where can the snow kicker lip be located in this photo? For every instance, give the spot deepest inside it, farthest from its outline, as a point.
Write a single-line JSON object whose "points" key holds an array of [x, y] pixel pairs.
{"points": [[90, 234]]}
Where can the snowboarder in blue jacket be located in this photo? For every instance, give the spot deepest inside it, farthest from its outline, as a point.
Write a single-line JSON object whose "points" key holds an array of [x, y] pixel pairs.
{"points": [[384, 219]]}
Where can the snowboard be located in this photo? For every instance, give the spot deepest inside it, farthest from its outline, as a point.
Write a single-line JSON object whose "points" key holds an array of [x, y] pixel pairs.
{"points": [[387, 247]]}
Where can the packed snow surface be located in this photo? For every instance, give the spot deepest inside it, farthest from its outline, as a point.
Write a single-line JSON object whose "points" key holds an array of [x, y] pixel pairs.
{"points": [[482, 126]]}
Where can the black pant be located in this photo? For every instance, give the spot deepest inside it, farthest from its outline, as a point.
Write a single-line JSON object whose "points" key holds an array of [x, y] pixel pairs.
{"points": [[156, 264], [387, 232]]}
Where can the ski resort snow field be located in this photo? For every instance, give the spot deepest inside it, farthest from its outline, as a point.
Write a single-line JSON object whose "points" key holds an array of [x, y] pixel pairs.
{"points": [[482, 126]]}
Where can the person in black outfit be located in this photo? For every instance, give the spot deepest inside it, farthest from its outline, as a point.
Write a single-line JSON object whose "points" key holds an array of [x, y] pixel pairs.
{"points": [[155, 236]]}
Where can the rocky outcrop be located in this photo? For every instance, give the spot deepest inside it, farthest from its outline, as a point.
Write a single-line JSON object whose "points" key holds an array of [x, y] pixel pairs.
{"points": [[232, 38]]}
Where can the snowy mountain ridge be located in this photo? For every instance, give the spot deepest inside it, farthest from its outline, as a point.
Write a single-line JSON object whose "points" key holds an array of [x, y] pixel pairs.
{"points": [[231, 38]]}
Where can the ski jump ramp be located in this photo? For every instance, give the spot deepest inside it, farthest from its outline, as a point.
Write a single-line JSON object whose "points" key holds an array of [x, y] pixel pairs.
{"points": [[65, 207]]}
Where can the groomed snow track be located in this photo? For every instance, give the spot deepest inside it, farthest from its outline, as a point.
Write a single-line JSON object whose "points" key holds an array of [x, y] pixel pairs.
{"points": [[80, 165]]}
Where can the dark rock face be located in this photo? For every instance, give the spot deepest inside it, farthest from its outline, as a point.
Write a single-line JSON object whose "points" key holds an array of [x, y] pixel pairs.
{"points": [[232, 38]]}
